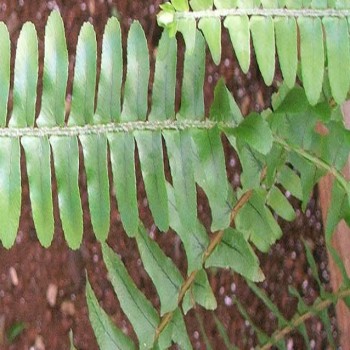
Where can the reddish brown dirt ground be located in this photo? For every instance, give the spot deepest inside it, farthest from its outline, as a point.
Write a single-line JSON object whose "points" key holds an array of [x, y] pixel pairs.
{"points": [[28, 271]]}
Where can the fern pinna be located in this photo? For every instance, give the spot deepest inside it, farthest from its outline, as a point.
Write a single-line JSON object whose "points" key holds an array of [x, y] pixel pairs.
{"points": [[277, 149]]}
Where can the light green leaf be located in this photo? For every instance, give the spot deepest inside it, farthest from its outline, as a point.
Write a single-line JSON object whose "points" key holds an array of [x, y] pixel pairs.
{"points": [[109, 88], [5, 53], [165, 275], [137, 308], [211, 28], [187, 27], [55, 73], [26, 78], [37, 154], [257, 223], [10, 190], [238, 27], [108, 336], [137, 75], [319, 4], [149, 144], [263, 35], [224, 108], [234, 252], [179, 148], [248, 4], [294, 4], [122, 149], [210, 174], [195, 242], [255, 132], [290, 181], [163, 91], [95, 162], [200, 293], [66, 160], [269, 4], [286, 42], [225, 4], [338, 55], [192, 100], [312, 56], [180, 5], [199, 5], [280, 204], [84, 84]]}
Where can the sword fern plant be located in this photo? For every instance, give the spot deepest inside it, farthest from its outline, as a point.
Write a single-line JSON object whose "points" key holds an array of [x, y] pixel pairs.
{"points": [[277, 149]]}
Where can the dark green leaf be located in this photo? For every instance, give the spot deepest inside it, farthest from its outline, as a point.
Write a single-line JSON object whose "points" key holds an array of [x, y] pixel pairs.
{"points": [[200, 293], [312, 56], [263, 36], [26, 78], [137, 75], [286, 42], [211, 28], [95, 162], [195, 242], [109, 88], [187, 27], [224, 108], [108, 336], [149, 144], [192, 100], [290, 181], [255, 131], [234, 252], [163, 91], [279, 203], [5, 52], [55, 73], [163, 272], [338, 55], [257, 223], [15, 330], [238, 27], [66, 160], [122, 147], [38, 159], [10, 190], [84, 84], [138, 309], [179, 148], [210, 174]]}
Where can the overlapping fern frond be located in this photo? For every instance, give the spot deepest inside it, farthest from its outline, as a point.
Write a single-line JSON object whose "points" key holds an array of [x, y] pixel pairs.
{"points": [[276, 155], [311, 38]]}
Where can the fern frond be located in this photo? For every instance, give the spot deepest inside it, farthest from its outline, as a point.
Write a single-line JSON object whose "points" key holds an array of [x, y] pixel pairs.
{"points": [[275, 27]]}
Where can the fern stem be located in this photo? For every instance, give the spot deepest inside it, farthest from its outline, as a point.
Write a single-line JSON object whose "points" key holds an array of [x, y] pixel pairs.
{"points": [[316, 308], [166, 319], [114, 127], [317, 161], [263, 12]]}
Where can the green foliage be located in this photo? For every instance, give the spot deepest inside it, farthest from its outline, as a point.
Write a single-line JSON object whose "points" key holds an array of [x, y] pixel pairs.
{"points": [[279, 150], [275, 25]]}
